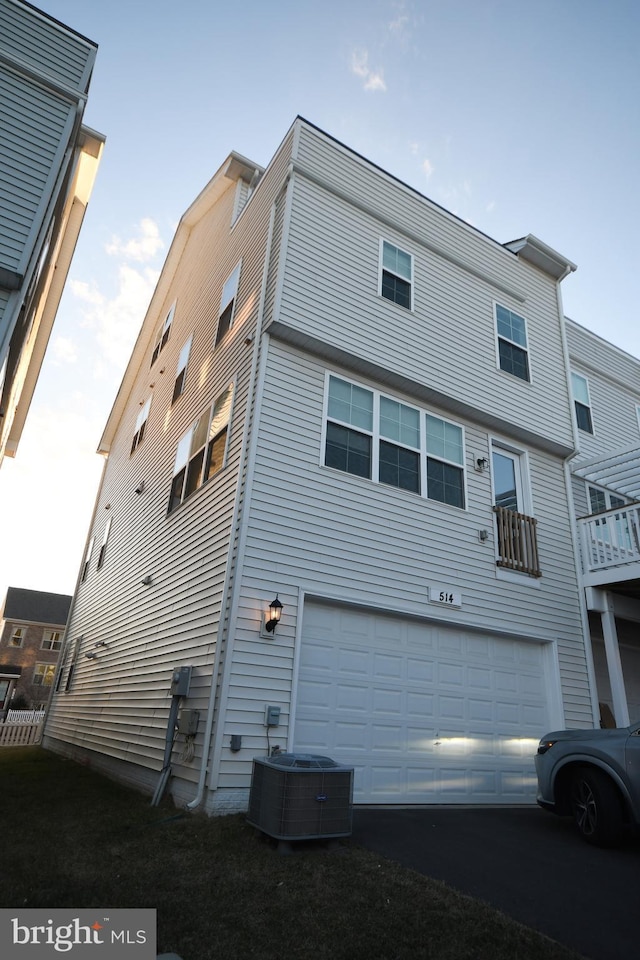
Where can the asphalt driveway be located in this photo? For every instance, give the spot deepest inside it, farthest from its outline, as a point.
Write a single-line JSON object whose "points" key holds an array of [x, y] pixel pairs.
{"points": [[525, 862]]}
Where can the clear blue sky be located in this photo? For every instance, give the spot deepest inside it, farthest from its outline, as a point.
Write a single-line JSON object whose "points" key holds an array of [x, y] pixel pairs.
{"points": [[520, 117]]}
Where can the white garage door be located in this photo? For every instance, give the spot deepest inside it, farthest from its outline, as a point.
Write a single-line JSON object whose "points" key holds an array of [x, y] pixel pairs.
{"points": [[424, 713]]}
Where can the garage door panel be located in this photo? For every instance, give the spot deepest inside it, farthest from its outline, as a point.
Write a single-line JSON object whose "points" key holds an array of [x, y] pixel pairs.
{"points": [[424, 713]]}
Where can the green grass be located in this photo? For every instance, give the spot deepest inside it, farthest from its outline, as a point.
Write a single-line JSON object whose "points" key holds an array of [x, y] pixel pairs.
{"points": [[72, 838]]}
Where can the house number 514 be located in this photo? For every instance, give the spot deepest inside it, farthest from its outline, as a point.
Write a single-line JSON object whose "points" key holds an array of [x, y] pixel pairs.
{"points": [[446, 596]]}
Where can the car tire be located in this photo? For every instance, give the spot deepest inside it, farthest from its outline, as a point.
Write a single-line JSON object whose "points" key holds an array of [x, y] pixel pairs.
{"points": [[596, 807]]}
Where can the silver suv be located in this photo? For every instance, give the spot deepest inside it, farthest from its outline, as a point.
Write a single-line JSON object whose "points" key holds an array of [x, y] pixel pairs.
{"points": [[594, 776]]}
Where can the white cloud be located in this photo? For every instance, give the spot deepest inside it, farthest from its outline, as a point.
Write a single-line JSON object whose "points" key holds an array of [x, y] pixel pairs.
{"points": [[142, 248], [427, 167], [373, 79], [64, 350]]}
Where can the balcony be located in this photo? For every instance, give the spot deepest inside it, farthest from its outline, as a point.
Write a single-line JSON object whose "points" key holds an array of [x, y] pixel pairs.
{"points": [[610, 543], [517, 542]]}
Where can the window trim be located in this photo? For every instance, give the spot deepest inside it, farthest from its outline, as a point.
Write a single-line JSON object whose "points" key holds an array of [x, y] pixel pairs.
{"points": [[141, 425], [163, 332], [105, 540], [513, 343], [181, 369], [579, 403], [202, 452], [376, 438], [52, 634], [382, 270], [230, 302]]}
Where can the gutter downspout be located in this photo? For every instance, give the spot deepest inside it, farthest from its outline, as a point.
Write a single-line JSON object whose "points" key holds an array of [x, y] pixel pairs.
{"points": [[236, 521], [577, 557]]}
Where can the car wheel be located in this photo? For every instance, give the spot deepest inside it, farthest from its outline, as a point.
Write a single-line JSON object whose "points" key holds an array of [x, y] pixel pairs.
{"points": [[596, 807]]}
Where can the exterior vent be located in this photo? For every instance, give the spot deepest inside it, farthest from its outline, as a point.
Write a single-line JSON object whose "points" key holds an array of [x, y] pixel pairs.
{"points": [[299, 796]]}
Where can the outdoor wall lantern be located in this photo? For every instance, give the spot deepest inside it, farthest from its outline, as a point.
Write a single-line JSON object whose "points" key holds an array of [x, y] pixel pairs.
{"points": [[273, 616], [481, 464]]}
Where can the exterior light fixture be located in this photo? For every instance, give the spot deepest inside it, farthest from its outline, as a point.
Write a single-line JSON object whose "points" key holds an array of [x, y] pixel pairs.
{"points": [[273, 617], [91, 655], [481, 464], [147, 581]]}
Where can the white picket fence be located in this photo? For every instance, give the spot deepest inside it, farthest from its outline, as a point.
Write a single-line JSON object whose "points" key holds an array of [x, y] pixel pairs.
{"points": [[21, 728], [25, 716]]}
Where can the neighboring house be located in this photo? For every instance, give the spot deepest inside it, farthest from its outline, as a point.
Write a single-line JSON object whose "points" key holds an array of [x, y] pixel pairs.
{"points": [[49, 163], [345, 397], [606, 390], [31, 631]]}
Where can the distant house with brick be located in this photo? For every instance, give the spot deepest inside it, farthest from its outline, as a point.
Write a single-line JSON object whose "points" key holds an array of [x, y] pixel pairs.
{"points": [[32, 626]]}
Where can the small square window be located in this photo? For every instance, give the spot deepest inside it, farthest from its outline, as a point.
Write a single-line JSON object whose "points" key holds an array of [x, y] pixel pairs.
{"points": [[43, 674], [396, 275], [17, 636], [52, 640]]}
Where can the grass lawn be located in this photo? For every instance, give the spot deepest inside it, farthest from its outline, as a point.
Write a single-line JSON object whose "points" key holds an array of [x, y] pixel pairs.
{"points": [[71, 838]]}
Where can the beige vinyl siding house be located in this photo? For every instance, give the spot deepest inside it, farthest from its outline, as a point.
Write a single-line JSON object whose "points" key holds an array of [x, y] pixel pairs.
{"points": [[394, 469], [49, 163]]}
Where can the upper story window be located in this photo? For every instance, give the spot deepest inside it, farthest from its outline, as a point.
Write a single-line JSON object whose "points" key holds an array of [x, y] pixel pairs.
{"points": [[52, 640], [201, 451], [581, 402], [181, 371], [87, 558], [513, 355], [374, 436], [17, 636], [163, 334], [601, 500], [141, 424], [105, 540], [396, 275], [228, 304]]}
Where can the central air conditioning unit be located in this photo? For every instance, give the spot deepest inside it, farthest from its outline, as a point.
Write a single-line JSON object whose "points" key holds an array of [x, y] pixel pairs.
{"points": [[299, 796]]}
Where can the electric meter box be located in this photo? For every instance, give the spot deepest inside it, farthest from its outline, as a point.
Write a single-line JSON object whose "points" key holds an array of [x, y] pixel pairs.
{"points": [[180, 681]]}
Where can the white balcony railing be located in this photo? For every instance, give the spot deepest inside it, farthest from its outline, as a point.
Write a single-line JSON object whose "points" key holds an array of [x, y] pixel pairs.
{"points": [[610, 539]]}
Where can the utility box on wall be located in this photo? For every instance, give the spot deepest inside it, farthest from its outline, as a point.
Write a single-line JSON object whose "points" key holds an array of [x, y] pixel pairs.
{"points": [[298, 796]]}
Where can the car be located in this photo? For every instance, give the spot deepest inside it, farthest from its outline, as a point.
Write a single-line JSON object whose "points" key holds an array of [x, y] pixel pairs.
{"points": [[593, 776]]}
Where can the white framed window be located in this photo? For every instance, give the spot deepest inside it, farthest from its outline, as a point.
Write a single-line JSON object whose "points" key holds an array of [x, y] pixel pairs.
{"points": [[513, 351], [75, 651], [43, 674], [52, 640], [87, 558], [202, 450], [141, 425], [17, 636], [181, 370], [582, 402], [374, 436], [601, 500], [105, 540], [228, 303], [162, 334], [396, 275]]}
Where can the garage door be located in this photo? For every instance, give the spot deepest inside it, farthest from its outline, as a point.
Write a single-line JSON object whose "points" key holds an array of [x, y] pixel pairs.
{"points": [[424, 713]]}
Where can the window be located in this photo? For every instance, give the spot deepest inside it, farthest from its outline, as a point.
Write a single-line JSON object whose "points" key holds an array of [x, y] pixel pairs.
{"points": [[52, 640], [43, 674], [72, 665], [227, 304], [512, 343], [581, 402], [87, 558], [141, 423], [181, 372], [201, 451], [601, 500], [17, 636], [163, 334], [103, 548], [374, 436], [396, 275]]}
